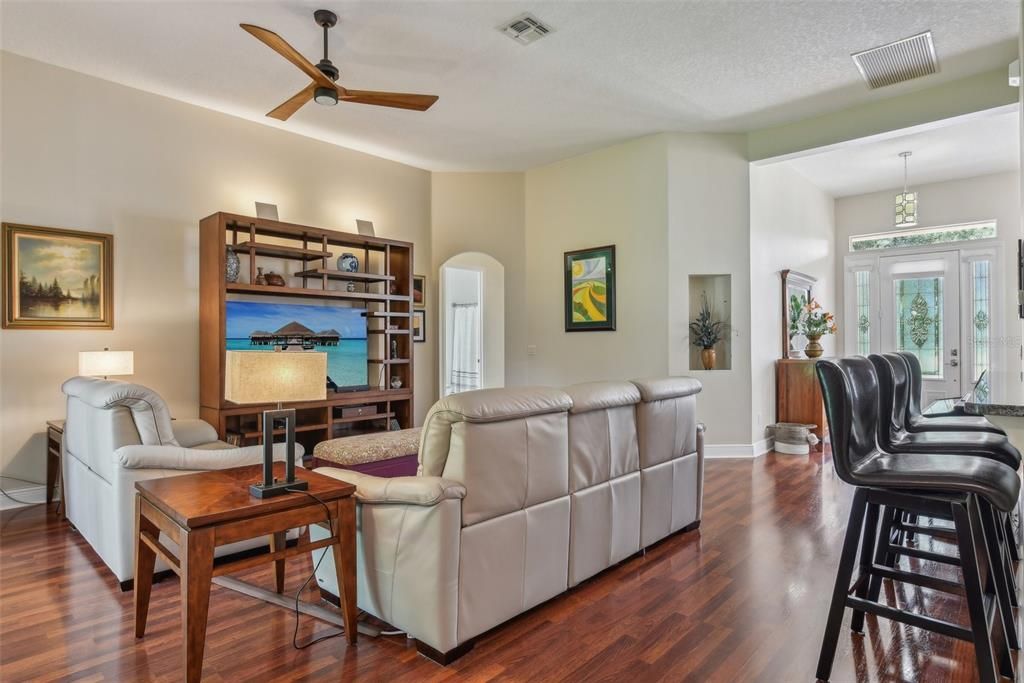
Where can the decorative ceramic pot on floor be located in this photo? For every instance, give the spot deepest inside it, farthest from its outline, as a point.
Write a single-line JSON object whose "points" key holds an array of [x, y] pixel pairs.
{"points": [[707, 357], [813, 348], [231, 265], [348, 263]]}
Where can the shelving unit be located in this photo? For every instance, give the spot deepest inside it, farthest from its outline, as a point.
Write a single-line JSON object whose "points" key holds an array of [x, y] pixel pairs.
{"points": [[383, 287]]}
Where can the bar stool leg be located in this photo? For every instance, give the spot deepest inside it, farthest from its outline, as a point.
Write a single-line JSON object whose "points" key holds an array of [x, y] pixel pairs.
{"points": [[1001, 585], [842, 585], [1011, 538], [867, 547], [1007, 544], [966, 542], [882, 555]]}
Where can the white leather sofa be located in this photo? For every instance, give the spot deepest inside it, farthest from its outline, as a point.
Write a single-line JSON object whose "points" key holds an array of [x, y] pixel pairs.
{"points": [[521, 493], [119, 433]]}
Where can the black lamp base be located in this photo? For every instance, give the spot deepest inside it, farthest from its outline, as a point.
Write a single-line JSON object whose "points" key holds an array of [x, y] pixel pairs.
{"points": [[278, 488]]}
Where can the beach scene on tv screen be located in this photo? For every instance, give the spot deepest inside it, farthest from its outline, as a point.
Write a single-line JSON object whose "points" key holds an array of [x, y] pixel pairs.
{"points": [[339, 332]]}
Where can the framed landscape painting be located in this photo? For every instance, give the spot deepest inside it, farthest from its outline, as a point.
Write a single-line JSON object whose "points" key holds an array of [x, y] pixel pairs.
{"points": [[590, 289], [419, 291], [57, 279]]}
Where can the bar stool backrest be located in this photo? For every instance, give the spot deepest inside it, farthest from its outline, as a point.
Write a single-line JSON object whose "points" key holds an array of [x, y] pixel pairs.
{"points": [[850, 389], [916, 387]]}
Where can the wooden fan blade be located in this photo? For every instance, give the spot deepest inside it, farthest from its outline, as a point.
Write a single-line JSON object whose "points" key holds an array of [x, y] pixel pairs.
{"points": [[398, 100], [292, 105], [278, 45]]}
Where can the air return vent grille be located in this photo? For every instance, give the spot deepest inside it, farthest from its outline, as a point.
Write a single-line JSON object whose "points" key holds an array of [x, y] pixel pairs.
{"points": [[896, 62], [525, 29]]}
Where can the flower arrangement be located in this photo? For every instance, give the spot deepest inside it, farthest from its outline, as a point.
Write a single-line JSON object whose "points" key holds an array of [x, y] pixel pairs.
{"points": [[705, 331], [814, 321]]}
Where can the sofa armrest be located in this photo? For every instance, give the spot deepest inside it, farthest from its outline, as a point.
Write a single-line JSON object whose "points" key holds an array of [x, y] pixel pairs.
{"points": [[371, 490], [178, 458], [189, 433]]}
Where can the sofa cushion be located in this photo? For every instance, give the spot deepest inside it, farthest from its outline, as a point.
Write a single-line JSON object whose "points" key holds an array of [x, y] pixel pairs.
{"points": [[662, 388]]}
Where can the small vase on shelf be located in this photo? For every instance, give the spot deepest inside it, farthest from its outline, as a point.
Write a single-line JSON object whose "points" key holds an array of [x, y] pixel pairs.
{"points": [[261, 279], [708, 358], [396, 383], [814, 348], [231, 265]]}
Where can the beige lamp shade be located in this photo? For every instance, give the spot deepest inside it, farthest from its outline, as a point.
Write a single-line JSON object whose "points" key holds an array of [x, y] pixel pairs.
{"points": [[106, 363], [275, 376]]}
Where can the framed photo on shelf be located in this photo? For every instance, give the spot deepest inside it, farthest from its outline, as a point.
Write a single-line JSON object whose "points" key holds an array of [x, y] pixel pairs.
{"points": [[590, 289], [419, 326], [419, 291], [57, 279]]}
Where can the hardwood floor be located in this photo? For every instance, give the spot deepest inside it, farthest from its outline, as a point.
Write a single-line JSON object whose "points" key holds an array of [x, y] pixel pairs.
{"points": [[743, 599]]}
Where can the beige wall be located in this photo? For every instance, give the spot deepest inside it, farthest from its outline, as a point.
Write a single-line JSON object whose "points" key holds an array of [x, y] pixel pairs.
{"points": [[792, 225], [616, 195], [993, 196], [484, 212], [147, 168], [709, 233]]}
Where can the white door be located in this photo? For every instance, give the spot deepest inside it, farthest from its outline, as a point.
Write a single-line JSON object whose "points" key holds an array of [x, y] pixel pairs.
{"points": [[920, 313], [462, 300]]}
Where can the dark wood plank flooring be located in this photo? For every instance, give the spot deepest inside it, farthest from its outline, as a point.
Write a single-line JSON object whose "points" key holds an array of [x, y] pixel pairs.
{"points": [[743, 599]]}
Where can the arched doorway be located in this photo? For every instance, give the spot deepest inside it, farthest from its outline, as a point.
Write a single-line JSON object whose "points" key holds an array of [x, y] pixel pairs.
{"points": [[471, 323]]}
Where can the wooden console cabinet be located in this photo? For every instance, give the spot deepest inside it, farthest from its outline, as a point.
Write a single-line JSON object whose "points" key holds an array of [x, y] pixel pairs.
{"points": [[306, 257], [798, 396]]}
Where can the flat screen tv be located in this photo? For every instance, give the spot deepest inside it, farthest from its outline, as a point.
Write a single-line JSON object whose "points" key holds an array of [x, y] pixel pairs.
{"points": [[336, 330]]}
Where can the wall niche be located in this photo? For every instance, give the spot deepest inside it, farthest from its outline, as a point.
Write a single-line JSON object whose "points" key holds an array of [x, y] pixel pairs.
{"points": [[718, 291]]}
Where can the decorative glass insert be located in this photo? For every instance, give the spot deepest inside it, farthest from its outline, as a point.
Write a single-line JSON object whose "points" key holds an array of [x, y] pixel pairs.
{"points": [[919, 321], [863, 312], [921, 237], [906, 209], [981, 309]]}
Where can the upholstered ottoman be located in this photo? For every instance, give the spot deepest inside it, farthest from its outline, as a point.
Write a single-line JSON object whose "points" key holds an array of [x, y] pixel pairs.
{"points": [[384, 454]]}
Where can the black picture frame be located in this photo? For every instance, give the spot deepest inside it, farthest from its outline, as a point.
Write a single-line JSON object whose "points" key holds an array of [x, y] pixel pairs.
{"points": [[419, 325], [576, 316]]}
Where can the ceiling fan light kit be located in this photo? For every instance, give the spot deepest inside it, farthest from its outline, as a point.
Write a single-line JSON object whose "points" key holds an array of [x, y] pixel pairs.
{"points": [[323, 89]]}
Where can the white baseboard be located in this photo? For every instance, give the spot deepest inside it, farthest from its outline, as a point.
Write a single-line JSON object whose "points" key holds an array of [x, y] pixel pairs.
{"points": [[32, 495], [738, 450]]}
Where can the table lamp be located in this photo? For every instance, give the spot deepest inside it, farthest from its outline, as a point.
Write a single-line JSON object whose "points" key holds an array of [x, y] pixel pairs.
{"points": [[105, 363], [276, 377]]}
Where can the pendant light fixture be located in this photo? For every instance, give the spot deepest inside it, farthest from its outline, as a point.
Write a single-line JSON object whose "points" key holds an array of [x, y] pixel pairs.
{"points": [[906, 202]]}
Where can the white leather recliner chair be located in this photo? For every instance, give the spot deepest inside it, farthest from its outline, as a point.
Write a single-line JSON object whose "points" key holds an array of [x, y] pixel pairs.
{"points": [[521, 493], [119, 433]]}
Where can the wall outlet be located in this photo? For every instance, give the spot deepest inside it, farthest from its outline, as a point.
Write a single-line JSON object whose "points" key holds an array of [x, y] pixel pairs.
{"points": [[531, 349]]}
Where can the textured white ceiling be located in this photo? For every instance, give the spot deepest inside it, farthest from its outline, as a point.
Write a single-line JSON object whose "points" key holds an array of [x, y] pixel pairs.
{"points": [[611, 71], [975, 146]]}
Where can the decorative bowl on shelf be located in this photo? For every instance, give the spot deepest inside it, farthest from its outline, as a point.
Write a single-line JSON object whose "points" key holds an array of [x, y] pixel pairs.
{"points": [[348, 263], [273, 279]]}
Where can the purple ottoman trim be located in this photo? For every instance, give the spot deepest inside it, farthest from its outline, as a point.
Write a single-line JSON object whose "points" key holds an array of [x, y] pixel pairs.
{"points": [[404, 466]]}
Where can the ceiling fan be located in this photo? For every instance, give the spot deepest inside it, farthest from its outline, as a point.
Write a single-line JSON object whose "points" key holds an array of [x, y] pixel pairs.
{"points": [[323, 89]]}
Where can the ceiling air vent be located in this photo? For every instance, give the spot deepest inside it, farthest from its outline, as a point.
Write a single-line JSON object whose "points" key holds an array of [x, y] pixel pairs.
{"points": [[525, 29], [896, 62]]}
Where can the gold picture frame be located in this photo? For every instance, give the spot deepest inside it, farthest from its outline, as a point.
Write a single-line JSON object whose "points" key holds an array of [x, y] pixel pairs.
{"points": [[419, 291], [57, 279]]}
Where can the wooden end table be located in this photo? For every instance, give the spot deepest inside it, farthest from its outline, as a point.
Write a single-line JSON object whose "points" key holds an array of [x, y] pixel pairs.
{"points": [[207, 509], [54, 466]]}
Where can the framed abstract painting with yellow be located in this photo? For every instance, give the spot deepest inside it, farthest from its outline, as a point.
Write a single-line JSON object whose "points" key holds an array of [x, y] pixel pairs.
{"points": [[590, 289], [57, 279]]}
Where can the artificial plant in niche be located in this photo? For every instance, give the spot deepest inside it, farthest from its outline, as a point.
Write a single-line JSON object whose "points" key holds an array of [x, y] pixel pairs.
{"points": [[705, 332]]}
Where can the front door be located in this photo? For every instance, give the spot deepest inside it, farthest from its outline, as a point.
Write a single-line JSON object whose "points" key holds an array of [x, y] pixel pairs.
{"points": [[920, 313]]}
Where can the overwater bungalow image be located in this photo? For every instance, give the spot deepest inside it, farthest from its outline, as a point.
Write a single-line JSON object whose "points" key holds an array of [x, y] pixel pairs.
{"points": [[295, 334]]}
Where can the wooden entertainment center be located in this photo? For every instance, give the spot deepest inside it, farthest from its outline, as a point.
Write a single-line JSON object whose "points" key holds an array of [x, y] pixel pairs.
{"points": [[306, 257]]}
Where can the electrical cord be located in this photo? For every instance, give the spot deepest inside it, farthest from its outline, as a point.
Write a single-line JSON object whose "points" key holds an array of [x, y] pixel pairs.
{"points": [[4, 493], [295, 634]]}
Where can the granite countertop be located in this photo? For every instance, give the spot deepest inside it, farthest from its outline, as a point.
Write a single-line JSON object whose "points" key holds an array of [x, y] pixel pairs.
{"points": [[998, 393]]}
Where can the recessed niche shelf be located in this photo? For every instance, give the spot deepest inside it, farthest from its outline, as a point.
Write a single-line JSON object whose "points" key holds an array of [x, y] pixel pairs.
{"points": [[718, 289]]}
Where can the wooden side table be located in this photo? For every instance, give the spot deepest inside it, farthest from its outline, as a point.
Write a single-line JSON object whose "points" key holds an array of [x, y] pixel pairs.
{"points": [[798, 396], [54, 466], [207, 509]]}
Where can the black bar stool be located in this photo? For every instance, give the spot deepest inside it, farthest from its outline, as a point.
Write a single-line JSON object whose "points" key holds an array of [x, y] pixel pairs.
{"points": [[895, 378], [966, 489], [918, 422]]}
